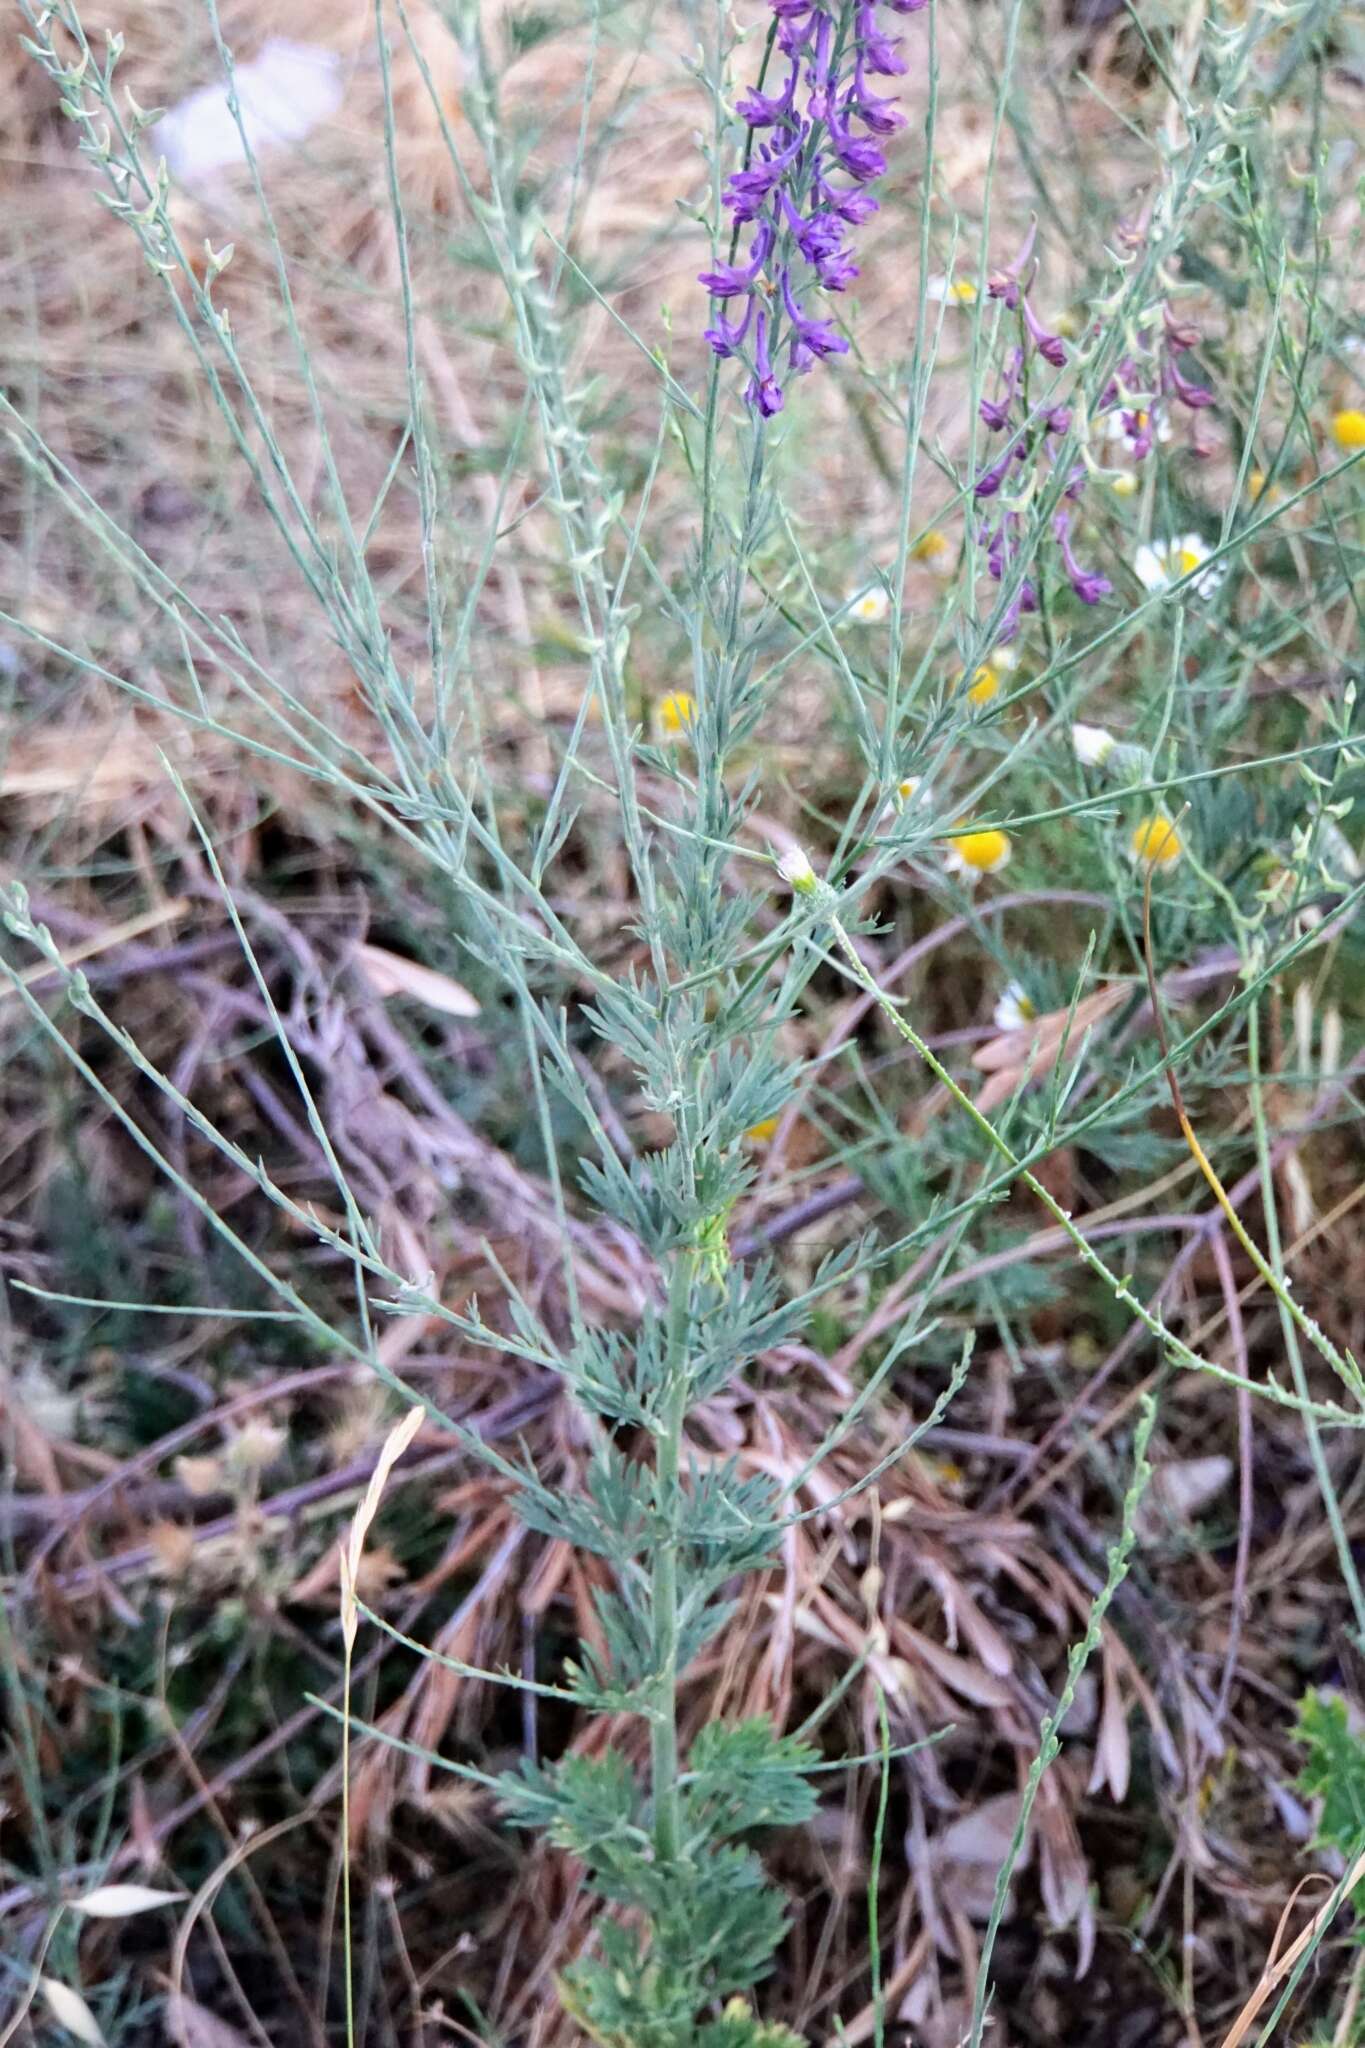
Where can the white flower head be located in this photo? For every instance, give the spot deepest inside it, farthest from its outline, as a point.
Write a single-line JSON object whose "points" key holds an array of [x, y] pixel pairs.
{"points": [[1014, 1011], [1093, 744], [951, 291], [1161, 563], [796, 871], [870, 606]]}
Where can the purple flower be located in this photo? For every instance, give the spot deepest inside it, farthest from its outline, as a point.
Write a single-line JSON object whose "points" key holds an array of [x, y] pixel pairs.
{"points": [[1050, 347], [855, 154], [748, 192], [853, 205], [1088, 586], [811, 339], [881, 115], [762, 109], [727, 280], [726, 338], [763, 390], [880, 52], [1004, 283], [836, 271], [1195, 396]]}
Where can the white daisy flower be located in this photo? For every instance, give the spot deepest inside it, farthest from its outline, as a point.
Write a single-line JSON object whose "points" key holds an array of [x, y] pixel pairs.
{"points": [[870, 606], [1161, 563], [1014, 1011], [796, 871], [1093, 744], [951, 291]]}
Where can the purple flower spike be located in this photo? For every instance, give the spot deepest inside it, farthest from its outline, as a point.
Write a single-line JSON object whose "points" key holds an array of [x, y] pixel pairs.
{"points": [[1050, 347], [804, 187]]}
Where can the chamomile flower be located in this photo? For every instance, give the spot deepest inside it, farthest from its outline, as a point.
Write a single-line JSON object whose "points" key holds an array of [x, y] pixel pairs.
{"points": [[1015, 1010], [904, 793], [951, 291], [870, 606], [676, 713], [935, 550], [1348, 429], [1257, 488], [977, 851], [1158, 565], [796, 871], [1123, 483], [985, 685], [1093, 744], [1155, 842]]}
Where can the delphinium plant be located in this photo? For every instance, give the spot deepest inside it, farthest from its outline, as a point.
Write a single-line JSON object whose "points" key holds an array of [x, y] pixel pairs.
{"points": [[732, 924]]}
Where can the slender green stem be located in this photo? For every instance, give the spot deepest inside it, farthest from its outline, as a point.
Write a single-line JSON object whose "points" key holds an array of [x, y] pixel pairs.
{"points": [[664, 1737]]}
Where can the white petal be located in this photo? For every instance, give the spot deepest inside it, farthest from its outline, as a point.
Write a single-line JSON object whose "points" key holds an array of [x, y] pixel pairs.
{"points": [[117, 1901], [1149, 566], [70, 2010], [1092, 743]]}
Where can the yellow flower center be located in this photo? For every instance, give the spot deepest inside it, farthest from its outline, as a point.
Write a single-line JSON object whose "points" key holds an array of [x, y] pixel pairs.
{"points": [[984, 685], [963, 290], [761, 1133], [1186, 561], [905, 790], [984, 850], [676, 712], [932, 546], [1156, 842], [1124, 485], [1348, 429]]}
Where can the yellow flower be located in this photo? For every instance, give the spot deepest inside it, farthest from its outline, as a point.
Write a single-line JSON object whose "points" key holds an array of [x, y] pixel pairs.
{"points": [[980, 850], [1256, 487], [984, 686], [676, 712], [934, 549], [1123, 484], [1155, 842], [761, 1133], [1348, 430]]}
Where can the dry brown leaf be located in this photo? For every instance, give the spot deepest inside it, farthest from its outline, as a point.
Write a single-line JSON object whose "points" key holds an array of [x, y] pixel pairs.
{"points": [[389, 974], [1113, 1754], [1178, 1490]]}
